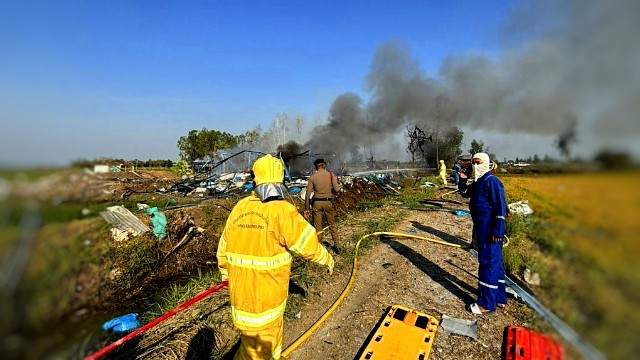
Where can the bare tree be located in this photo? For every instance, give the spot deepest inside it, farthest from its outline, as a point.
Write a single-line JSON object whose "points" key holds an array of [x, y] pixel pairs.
{"points": [[281, 123], [417, 141], [276, 134], [299, 123]]}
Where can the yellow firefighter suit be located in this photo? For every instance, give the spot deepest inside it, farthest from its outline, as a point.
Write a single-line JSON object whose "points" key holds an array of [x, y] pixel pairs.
{"points": [[254, 255], [443, 172]]}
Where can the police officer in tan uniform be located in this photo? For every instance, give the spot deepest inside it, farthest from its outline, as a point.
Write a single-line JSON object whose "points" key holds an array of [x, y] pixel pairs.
{"points": [[321, 183]]}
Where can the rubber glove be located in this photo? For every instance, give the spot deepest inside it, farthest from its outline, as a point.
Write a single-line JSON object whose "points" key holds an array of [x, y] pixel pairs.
{"points": [[330, 266]]}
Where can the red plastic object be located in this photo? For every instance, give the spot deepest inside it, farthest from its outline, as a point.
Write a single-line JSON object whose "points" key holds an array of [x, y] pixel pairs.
{"points": [[104, 351], [524, 344]]}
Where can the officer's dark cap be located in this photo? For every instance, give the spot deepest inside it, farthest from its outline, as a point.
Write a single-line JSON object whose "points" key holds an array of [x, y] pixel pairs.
{"points": [[318, 162]]}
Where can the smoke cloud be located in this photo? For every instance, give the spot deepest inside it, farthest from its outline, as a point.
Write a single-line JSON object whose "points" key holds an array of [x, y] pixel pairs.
{"points": [[565, 65], [291, 154]]}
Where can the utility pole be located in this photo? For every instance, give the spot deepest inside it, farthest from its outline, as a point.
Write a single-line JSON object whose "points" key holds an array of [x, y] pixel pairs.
{"points": [[438, 101]]}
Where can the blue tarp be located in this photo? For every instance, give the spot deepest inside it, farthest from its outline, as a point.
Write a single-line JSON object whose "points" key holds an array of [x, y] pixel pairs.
{"points": [[124, 323], [460, 213], [159, 222]]}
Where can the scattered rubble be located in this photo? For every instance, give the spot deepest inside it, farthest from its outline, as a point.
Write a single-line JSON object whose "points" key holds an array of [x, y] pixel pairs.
{"points": [[520, 207], [124, 221], [531, 278]]}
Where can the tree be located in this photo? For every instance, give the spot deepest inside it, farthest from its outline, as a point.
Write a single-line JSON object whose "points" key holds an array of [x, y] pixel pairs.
{"points": [[276, 134], [477, 146], [547, 159], [614, 160], [189, 147], [428, 147], [205, 143], [451, 147], [250, 138], [180, 168], [417, 141], [299, 124]]}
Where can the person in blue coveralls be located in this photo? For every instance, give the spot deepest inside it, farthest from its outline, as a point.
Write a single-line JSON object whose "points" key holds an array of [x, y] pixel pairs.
{"points": [[456, 171], [488, 211]]}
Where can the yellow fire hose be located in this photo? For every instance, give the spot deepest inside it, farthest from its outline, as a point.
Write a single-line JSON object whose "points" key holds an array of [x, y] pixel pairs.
{"points": [[449, 193], [299, 341]]}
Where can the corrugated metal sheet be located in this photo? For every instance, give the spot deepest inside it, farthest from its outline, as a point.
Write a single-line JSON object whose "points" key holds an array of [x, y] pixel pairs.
{"points": [[124, 219]]}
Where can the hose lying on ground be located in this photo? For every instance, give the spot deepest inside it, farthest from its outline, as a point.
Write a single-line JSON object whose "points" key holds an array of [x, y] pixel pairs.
{"points": [[100, 353], [450, 200], [586, 349], [337, 303]]}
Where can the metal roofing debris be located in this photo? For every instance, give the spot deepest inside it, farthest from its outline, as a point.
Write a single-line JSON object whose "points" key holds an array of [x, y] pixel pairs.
{"points": [[124, 220], [100, 169], [459, 326], [584, 347], [520, 207], [428, 184], [213, 180]]}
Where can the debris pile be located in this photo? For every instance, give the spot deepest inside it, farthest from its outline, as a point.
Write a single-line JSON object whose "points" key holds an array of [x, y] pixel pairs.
{"points": [[183, 228], [125, 223]]}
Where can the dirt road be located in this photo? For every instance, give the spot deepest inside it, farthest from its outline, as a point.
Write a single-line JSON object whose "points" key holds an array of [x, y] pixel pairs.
{"points": [[418, 274]]}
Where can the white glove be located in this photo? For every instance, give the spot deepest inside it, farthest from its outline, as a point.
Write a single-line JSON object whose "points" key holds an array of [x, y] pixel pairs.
{"points": [[330, 266]]}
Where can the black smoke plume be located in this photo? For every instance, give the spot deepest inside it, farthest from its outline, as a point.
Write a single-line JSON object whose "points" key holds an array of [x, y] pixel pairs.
{"points": [[296, 159], [562, 60]]}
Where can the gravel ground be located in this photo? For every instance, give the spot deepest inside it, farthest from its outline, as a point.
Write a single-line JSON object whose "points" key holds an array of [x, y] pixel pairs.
{"points": [[430, 278]]}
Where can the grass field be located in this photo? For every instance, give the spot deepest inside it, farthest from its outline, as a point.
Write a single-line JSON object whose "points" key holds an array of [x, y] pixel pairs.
{"points": [[581, 240], [585, 247]]}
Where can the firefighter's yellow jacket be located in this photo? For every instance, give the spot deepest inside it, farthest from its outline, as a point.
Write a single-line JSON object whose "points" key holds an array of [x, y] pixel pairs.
{"points": [[254, 255]]}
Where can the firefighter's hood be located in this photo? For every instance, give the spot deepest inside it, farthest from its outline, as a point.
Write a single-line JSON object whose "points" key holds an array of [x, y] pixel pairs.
{"points": [[268, 170], [268, 174]]}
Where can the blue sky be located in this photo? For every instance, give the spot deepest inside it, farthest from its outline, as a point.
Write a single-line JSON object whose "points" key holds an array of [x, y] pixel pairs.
{"points": [[128, 78]]}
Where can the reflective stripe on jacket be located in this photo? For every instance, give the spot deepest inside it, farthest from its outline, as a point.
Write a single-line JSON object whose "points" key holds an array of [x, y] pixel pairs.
{"points": [[254, 255]]}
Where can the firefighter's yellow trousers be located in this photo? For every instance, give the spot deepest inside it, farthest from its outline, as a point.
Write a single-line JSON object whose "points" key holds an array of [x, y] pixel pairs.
{"points": [[262, 344]]}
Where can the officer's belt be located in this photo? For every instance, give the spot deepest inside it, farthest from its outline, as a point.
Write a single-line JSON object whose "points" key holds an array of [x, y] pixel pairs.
{"points": [[322, 199]]}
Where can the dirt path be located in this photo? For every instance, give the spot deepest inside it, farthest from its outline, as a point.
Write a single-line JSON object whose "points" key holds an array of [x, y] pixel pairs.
{"points": [[421, 275]]}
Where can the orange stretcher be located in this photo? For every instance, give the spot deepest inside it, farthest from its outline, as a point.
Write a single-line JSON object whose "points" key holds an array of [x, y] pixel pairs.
{"points": [[524, 344], [402, 334]]}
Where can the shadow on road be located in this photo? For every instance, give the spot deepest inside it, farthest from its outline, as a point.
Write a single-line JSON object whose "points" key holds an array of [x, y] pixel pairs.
{"points": [[440, 234], [457, 287]]}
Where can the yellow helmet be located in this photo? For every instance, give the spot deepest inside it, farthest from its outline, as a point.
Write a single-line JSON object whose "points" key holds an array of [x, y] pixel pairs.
{"points": [[268, 170]]}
